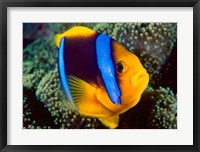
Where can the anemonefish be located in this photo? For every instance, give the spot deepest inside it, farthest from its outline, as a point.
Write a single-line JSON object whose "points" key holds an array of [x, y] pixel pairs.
{"points": [[99, 76]]}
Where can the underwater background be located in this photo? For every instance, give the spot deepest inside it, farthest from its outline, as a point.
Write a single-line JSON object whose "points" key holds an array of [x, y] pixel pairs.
{"points": [[45, 105]]}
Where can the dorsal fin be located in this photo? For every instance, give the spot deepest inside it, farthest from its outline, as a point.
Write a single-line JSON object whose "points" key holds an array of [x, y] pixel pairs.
{"points": [[79, 31]]}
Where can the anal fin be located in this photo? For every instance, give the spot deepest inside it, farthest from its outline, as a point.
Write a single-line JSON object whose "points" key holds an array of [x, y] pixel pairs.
{"points": [[111, 122]]}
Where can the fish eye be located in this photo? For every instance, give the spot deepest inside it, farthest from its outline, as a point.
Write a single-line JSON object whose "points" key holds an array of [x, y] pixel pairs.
{"points": [[121, 67]]}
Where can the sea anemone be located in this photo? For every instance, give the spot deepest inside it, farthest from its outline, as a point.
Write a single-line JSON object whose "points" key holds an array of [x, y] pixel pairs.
{"points": [[50, 93], [40, 54], [159, 111], [163, 113]]}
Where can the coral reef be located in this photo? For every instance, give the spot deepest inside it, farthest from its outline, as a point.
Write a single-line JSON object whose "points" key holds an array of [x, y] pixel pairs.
{"points": [[33, 31], [36, 30], [45, 105]]}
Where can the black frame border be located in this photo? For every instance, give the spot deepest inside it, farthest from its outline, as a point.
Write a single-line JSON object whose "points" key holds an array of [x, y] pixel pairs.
{"points": [[4, 4]]}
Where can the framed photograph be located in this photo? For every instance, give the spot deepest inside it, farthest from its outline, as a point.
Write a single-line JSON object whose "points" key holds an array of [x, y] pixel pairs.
{"points": [[99, 76]]}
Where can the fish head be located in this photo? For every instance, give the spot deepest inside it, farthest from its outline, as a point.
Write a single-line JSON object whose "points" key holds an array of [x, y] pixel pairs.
{"points": [[132, 77]]}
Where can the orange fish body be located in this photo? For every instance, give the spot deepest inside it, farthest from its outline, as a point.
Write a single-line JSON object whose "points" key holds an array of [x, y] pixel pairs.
{"points": [[99, 76]]}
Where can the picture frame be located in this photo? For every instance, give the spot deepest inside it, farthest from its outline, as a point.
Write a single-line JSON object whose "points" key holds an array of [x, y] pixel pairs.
{"points": [[100, 3]]}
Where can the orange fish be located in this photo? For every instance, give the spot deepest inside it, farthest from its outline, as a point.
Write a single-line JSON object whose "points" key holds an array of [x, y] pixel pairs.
{"points": [[100, 77]]}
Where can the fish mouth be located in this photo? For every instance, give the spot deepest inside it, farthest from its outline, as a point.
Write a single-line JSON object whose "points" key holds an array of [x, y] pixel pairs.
{"points": [[143, 74], [138, 77]]}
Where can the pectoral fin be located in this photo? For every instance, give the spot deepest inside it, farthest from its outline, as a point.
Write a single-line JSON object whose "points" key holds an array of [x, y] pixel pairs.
{"points": [[84, 97], [111, 122]]}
